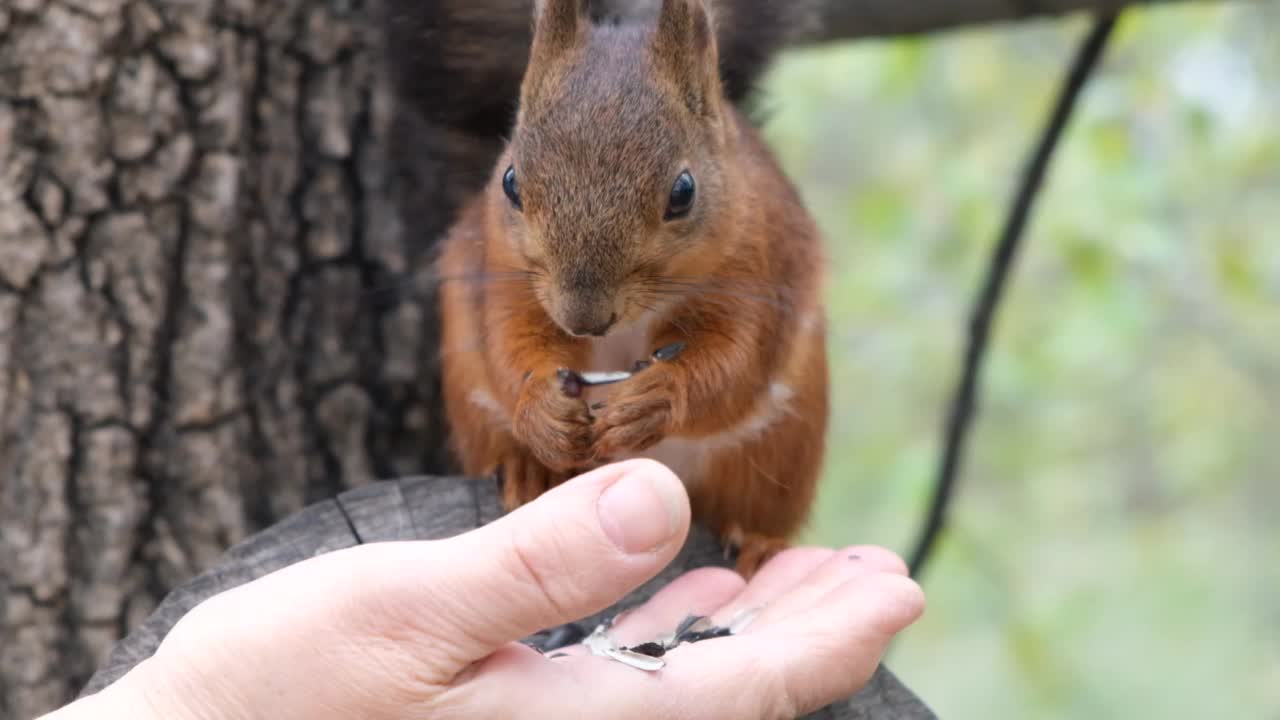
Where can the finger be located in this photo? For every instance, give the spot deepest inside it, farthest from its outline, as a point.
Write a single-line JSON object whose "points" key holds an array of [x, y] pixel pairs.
{"points": [[572, 552], [782, 573], [798, 665], [840, 567], [700, 592], [817, 657], [795, 667]]}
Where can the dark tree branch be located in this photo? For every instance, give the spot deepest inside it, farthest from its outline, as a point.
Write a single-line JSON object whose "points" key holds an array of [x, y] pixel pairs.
{"points": [[983, 317], [830, 20]]}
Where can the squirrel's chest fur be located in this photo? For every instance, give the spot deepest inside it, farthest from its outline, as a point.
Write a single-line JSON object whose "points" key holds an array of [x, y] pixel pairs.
{"points": [[618, 351], [686, 457]]}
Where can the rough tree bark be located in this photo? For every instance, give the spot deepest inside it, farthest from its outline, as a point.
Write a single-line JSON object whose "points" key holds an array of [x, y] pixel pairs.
{"points": [[209, 214], [194, 218]]}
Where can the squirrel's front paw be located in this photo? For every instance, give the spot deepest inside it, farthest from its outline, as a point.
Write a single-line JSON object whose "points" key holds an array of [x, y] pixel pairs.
{"points": [[556, 428], [637, 416]]}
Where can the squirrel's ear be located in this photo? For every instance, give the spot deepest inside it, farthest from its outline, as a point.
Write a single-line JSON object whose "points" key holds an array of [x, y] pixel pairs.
{"points": [[557, 26], [684, 47]]}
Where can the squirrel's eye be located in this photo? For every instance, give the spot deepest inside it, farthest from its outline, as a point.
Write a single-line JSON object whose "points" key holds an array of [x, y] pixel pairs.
{"points": [[681, 201], [512, 189]]}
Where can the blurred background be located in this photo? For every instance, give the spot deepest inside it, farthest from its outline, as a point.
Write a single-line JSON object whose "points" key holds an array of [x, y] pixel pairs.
{"points": [[1114, 548]]}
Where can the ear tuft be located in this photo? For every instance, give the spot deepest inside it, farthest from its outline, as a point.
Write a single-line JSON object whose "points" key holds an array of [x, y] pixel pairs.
{"points": [[557, 29], [684, 23], [557, 24], [684, 47]]}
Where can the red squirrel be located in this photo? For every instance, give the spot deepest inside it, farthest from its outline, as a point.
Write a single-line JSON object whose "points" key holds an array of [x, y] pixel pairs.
{"points": [[633, 209]]}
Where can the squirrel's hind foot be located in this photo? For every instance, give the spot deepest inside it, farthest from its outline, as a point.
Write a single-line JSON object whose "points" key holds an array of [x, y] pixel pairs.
{"points": [[754, 551], [523, 479]]}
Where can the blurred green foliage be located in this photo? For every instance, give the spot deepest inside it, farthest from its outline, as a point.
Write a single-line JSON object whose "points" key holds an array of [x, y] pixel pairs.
{"points": [[1114, 549]]}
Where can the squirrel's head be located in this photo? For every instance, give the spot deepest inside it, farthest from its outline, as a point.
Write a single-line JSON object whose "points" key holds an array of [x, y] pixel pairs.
{"points": [[615, 176]]}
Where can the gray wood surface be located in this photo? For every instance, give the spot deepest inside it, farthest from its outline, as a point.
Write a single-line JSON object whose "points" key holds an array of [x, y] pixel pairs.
{"points": [[425, 508]]}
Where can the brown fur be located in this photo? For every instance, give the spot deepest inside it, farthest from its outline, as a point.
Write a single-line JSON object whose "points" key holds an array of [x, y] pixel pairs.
{"points": [[609, 117]]}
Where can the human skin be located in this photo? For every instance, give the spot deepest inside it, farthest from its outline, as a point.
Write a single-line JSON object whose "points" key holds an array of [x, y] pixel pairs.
{"points": [[429, 629]]}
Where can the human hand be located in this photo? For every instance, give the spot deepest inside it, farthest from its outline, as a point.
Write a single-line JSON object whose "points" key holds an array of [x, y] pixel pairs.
{"points": [[428, 629]]}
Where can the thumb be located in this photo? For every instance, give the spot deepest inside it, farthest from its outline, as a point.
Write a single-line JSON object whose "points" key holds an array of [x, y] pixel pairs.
{"points": [[572, 552], [328, 630]]}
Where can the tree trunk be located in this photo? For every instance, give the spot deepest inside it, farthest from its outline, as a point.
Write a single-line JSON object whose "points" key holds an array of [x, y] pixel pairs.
{"points": [[210, 215], [200, 324]]}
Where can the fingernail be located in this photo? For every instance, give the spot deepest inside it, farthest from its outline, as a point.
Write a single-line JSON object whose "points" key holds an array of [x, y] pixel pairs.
{"points": [[641, 511]]}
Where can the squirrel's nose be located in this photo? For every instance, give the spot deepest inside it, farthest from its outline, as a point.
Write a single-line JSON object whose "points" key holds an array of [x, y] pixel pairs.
{"points": [[584, 328]]}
